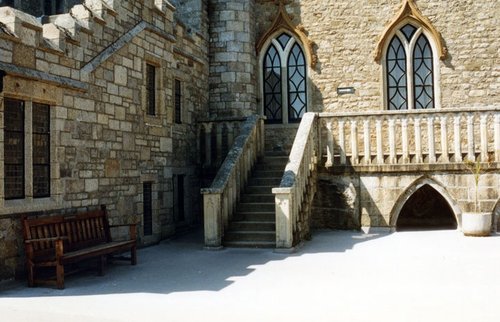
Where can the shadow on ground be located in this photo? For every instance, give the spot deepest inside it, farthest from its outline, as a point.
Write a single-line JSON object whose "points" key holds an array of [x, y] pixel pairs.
{"points": [[182, 265]]}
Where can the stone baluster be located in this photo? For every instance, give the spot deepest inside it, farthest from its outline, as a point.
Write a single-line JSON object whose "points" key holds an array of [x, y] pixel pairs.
{"points": [[418, 140], [231, 128], [457, 138], [470, 137], [354, 142], [483, 128], [218, 142], [208, 144], [430, 139], [404, 134], [392, 141], [444, 139], [343, 158], [329, 144], [380, 150], [497, 137], [366, 139]]}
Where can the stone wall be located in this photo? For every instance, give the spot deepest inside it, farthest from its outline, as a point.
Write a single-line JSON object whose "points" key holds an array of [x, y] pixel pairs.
{"points": [[354, 200], [104, 145], [346, 34], [232, 58]]}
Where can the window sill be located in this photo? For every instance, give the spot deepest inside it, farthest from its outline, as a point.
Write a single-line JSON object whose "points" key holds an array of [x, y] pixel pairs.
{"points": [[28, 205]]}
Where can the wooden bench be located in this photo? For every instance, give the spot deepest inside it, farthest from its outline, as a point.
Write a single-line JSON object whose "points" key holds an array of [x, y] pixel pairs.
{"points": [[60, 240]]}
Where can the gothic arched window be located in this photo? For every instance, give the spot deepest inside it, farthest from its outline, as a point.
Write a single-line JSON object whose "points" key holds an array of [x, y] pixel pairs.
{"points": [[284, 80], [409, 70]]}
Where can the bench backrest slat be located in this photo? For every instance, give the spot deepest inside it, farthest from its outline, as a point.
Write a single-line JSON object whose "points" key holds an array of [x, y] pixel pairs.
{"points": [[81, 230]]}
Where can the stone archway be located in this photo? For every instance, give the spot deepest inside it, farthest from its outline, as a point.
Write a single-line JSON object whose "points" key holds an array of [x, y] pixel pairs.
{"points": [[426, 209], [425, 204]]}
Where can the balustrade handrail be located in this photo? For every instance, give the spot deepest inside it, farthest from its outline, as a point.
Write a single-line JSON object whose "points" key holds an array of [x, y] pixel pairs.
{"points": [[294, 184], [409, 112], [219, 200], [441, 136], [225, 171]]}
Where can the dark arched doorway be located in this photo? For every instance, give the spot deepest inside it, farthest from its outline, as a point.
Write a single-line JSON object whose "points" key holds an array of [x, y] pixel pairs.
{"points": [[426, 209]]}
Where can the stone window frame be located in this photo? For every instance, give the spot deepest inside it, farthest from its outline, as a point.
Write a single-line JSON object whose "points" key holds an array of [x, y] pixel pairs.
{"points": [[409, 47], [160, 111], [30, 203], [284, 54], [155, 207]]}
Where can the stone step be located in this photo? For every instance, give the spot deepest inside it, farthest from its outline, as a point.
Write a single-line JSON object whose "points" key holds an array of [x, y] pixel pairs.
{"points": [[255, 207], [250, 244], [277, 160], [274, 182], [265, 198], [267, 173], [280, 153], [269, 167], [259, 189], [250, 236], [268, 216], [252, 226]]}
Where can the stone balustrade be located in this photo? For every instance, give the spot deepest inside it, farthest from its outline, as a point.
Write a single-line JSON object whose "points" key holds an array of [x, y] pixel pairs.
{"points": [[220, 199], [294, 195], [216, 138], [402, 138]]}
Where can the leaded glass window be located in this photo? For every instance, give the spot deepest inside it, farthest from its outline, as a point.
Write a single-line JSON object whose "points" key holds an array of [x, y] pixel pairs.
{"points": [[297, 100], [272, 85], [423, 74], [178, 101], [41, 150], [14, 149], [151, 89], [409, 70], [284, 80]]}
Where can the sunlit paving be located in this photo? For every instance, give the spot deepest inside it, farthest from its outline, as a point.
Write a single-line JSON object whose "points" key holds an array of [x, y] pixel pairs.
{"points": [[338, 276]]}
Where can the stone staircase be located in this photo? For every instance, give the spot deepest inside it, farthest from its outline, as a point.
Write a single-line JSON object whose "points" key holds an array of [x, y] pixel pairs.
{"points": [[254, 223]]}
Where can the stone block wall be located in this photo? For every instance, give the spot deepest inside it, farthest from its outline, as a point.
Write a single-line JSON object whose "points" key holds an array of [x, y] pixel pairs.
{"points": [[346, 35], [90, 67], [355, 200], [232, 58]]}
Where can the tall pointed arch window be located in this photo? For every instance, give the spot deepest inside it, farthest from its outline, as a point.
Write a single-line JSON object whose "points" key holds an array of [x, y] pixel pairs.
{"points": [[409, 70], [284, 80]]}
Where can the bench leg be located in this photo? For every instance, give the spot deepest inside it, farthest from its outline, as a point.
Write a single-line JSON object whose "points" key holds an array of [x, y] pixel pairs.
{"points": [[31, 275], [60, 276], [133, 255]]}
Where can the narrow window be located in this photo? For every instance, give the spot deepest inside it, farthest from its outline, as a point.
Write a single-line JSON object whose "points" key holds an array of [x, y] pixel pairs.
{"points": [[148, 208], [178, 101], [41, 150], [272, 86], [423, 75], [179, 198], [396, 76], [297, 98], [409, 68], [14, 149], [151, 89], [284, 88]]}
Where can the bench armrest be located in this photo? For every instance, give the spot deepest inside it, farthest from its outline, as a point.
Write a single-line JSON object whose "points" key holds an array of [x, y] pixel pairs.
{"points": [[37, 240]]}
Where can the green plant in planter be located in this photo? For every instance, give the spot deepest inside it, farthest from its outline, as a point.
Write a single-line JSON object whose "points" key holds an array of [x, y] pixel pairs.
{"points": [[476, 223], [477, 169]]}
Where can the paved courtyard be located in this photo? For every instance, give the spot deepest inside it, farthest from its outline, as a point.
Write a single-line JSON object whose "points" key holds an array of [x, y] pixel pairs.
{"points": [[338, 276]]}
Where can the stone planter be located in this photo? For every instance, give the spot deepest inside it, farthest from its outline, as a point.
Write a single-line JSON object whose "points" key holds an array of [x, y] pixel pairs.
{"points": [[476, 223]]}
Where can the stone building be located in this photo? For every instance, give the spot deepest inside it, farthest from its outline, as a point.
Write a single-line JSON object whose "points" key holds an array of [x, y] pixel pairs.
{"points": [[372, 105]]}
